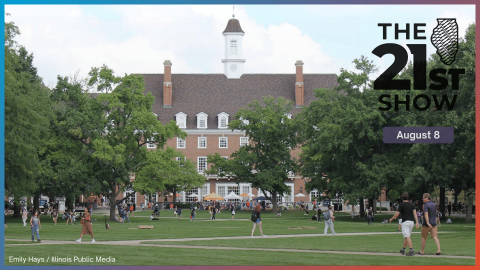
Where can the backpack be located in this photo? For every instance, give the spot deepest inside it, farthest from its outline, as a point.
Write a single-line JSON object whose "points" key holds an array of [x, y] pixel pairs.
{"points": [[254, 216], [326, 215]]}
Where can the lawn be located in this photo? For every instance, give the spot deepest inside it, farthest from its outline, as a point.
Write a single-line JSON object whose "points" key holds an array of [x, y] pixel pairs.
{"points": [[457, 239]]}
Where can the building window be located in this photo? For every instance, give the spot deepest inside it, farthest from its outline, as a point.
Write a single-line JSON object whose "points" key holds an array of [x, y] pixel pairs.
{"points": [[243, 141], [202, 120], [314, 194], [181, 119], [180, 143], [191, 195], [202, 142], [233, 47], [245, 121], [151, 145], [223, 120], [202, 164], [223, 142]]}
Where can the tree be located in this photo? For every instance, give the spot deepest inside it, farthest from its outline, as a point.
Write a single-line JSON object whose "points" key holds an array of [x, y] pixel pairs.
{"points": [[27, 112], [112, 130], [343, 149], [450, 165], [168, 171], [267, 160]]}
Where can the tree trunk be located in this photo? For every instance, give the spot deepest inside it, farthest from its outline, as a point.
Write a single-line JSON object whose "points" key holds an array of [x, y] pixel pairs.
{"points": [[441, 203], [174, 195], [16, 207], [113, 203], [468, 218], [36, 202], [274, 202], [362, 208]]}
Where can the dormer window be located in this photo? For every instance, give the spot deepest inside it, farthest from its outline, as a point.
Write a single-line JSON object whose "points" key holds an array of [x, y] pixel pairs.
{"points": [[244, 121], [151, 144], [223, 120], [202, 120], [233, 47], [181, 119], [288, 115]]}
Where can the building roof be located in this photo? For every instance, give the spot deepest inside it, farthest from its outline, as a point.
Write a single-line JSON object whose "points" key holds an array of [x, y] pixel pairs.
{"points": [[214, 93], [233, 25]]}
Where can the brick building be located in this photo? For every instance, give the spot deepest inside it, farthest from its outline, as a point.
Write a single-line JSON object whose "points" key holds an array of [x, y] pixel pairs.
{"points": [[204, 104]]}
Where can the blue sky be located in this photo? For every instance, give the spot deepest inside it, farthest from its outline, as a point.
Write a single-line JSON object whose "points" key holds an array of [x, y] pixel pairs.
{"points": [[138, 39]]}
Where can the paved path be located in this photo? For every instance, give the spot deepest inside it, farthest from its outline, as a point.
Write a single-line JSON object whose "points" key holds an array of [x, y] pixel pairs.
{"points": [[146, 243]]}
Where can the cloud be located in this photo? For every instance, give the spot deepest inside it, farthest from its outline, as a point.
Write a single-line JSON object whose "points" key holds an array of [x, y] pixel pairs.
{"points": [[137, 39]]}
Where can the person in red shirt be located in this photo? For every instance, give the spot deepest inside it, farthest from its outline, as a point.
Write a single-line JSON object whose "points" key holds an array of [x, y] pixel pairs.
{"points": [[131, 210]]}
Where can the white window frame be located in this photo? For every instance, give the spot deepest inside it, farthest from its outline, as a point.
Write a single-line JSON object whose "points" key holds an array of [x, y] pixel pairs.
{"points": [[202, 117], [151, 145], [199, 142], [233, 46], [223, 115], [245, 122], [243, 143], [220, 142], [199, 166], [179, 141], [181, 119]]}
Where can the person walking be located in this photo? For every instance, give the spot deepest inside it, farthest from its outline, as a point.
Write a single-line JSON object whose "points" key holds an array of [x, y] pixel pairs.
{"points": [[24, 216], [69, 217], [232, 210], [36, 225], [192, 215], [438, 215], [370, 215], [142, 205], [214, 212], [86, 226], [429, 224], [328, 219], [210, 211], [258, 222], [179, 212], [407, 210], [55, 216], [131, 211]]}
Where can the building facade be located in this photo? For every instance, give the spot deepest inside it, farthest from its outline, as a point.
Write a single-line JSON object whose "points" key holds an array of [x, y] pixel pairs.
{"points": [[204, 104]]}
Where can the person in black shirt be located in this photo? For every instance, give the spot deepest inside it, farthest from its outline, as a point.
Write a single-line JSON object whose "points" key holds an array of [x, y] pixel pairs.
{"points": [[409, 214], [370, 216]]}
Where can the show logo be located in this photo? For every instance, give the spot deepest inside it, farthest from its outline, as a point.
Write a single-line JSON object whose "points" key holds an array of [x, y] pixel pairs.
{"points": [[445, 40]]}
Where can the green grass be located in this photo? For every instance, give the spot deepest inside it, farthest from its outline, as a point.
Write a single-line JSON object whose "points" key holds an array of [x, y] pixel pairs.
{"points": [[457, 239]]}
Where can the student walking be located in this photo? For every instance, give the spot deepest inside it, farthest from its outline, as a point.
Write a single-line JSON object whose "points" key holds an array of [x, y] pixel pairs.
{"points": [[232, 209], [86, 226], [179, 212], [370, 215], [319, 214], [36, 225], [69, 217], [429, 224], [407, 210], [192, 215], [258, 221], [328, 219], [55, 216], [24, 216]]}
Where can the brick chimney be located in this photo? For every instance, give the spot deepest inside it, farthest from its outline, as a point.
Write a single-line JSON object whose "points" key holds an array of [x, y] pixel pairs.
{"points": [[167, 84], [299, 89]]}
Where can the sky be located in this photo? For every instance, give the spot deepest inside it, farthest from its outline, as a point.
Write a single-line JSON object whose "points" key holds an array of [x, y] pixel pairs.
{"points": [[70, 39]]}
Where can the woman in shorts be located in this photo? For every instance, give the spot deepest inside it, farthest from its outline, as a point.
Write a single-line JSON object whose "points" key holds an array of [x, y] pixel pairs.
{"points": [[258, 222]]}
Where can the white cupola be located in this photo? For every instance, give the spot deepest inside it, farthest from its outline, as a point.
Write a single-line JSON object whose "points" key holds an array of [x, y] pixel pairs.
{"points": [[233, 62]]}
